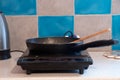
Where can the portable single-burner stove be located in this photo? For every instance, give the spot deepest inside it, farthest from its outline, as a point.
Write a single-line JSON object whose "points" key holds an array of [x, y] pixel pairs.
{"points": [[34, 61]]}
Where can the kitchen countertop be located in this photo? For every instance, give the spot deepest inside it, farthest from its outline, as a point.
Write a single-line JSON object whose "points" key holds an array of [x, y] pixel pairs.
{"points": [[102, 68]]}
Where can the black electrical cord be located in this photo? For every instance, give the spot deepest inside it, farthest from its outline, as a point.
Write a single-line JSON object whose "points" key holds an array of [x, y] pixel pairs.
{"points": [[17, 51]]}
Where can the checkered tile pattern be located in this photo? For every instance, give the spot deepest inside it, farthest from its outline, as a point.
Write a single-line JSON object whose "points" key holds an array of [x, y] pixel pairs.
{"points": [[55, 17]]}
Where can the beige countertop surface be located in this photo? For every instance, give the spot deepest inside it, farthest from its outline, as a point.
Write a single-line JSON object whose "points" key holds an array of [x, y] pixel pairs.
{"points": [[102, 69]]}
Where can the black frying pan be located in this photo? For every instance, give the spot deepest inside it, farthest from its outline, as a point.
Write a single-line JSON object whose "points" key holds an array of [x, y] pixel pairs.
{"points": [[63, 44]]}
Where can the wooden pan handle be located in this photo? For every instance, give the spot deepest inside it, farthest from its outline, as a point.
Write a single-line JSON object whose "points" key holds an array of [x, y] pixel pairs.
{"points": [[92, 35]]}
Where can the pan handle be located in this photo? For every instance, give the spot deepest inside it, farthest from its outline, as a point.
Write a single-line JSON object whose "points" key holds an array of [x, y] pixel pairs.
{"points": [[93, 44]]}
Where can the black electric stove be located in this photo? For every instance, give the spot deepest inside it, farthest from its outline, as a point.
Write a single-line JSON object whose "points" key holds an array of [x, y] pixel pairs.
{"points": [[37, 61]]}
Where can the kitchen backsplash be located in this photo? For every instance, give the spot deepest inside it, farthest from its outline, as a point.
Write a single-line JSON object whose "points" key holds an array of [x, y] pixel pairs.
{"points": [[42, 18]]}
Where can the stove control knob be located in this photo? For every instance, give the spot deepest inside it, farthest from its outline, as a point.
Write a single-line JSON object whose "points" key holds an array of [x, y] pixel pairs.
{"points": [[36, 57]]}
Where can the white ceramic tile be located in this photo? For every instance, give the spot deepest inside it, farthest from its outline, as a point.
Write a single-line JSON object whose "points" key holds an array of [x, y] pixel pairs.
{"points": [[21, 28], [116, 6], [86, 25], [55, 7]]}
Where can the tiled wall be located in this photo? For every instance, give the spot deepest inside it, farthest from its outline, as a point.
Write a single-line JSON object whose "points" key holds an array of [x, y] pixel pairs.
{"points": [[41, 18]]}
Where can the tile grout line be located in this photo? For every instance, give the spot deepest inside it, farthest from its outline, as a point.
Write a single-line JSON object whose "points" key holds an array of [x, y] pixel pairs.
{"points": [[74, 16], [37, 17]]}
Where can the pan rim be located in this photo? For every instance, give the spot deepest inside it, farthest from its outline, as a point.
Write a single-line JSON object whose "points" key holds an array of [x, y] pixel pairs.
{"points": [[30, 41]]}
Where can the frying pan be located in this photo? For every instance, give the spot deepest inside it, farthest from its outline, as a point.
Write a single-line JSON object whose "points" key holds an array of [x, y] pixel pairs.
{"points": [[58, 45]]}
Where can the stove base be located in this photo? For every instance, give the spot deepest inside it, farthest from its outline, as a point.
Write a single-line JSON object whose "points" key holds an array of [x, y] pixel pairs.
{"points": [[80, 71], [49, 63], [54, 67]]}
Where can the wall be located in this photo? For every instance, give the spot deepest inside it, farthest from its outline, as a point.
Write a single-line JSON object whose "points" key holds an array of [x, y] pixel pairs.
{"points": [[41, 18]]}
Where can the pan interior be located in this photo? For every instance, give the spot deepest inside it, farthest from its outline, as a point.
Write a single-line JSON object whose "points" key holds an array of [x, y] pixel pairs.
{"points": [[52, 40]]}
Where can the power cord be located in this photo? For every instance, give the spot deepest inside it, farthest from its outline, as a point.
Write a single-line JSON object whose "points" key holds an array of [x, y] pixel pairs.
{"points": [[17, 51], [112, 55]]}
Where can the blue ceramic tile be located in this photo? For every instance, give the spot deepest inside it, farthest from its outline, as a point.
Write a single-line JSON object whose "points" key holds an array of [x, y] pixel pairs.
{"points": [[53, 26], [116, 31], [92, 6], [18, 7]]}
